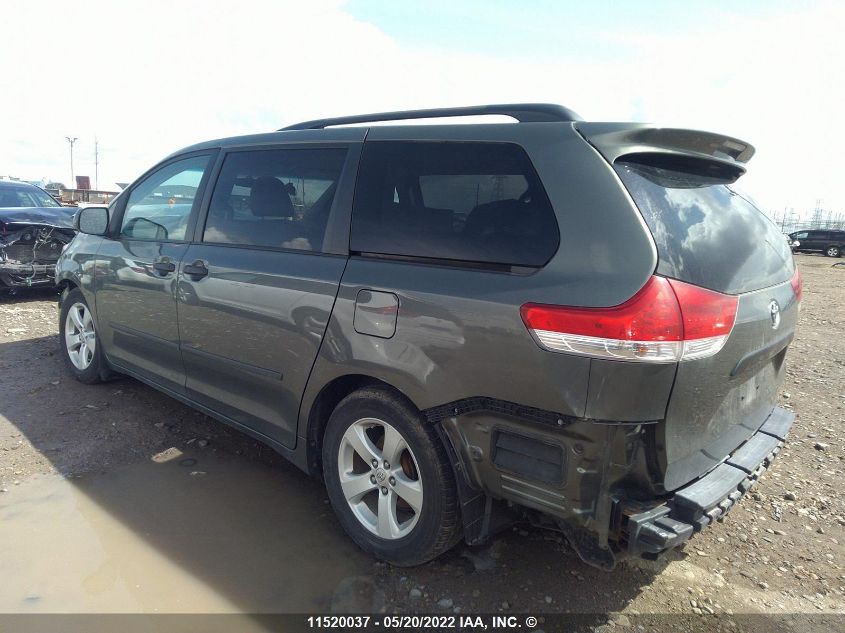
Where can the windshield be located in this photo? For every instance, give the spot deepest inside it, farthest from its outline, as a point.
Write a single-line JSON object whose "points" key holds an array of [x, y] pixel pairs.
{"points": [[25, 196], [706, 233]]}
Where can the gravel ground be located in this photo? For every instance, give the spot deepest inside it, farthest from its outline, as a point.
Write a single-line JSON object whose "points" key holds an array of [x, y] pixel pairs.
{"points": [[781, 551]]}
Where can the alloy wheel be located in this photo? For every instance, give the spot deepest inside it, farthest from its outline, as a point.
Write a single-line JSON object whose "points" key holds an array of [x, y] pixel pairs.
{"points": [[379, 476], [80, 338]]}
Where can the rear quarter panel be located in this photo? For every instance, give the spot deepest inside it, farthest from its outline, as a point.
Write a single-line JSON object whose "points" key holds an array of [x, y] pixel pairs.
{"points": [[459, 332]]}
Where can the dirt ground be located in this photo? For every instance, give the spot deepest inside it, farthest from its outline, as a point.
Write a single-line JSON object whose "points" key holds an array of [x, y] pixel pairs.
{"points": [[118, 498]]}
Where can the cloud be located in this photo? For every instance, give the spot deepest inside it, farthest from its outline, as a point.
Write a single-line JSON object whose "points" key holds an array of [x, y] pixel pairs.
{"points": [[150, 77], [775, 82]]}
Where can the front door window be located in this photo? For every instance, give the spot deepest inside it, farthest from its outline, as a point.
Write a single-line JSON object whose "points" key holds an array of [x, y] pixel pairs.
{"points": [[159, 207]]}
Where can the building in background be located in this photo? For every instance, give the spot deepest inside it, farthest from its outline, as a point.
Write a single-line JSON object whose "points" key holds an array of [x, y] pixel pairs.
{"points": [[80, 195]]}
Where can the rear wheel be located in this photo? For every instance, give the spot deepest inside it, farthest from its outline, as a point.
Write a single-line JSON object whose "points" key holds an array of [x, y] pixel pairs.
{"points": [[389, 479], [80, 344], [833, 251]]}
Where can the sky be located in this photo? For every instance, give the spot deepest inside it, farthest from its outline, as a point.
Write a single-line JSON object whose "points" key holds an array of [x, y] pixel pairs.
{"points": [[146, 78]]}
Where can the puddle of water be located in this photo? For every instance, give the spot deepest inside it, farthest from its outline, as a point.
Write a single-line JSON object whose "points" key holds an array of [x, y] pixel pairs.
{"points": [[194, 534]]}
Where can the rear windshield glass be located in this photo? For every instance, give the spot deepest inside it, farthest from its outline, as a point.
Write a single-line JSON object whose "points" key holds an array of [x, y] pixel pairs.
{"points": [[707, 233], [472, 202]]}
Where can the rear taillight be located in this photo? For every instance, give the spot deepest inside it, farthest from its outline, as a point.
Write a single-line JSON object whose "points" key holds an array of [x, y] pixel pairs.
{"points": [[797, 284], [666, 321], [708, 319]]}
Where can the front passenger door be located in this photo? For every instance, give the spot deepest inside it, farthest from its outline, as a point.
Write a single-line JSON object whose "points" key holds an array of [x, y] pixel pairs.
{"points": [[137, 266]]}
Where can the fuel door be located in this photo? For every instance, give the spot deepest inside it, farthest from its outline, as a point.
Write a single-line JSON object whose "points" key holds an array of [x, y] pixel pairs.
{"points": [[375, 313]]}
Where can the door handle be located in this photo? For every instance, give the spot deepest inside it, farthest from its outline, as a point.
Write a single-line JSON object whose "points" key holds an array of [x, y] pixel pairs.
{"points": [[196, 270], [164, 267]]}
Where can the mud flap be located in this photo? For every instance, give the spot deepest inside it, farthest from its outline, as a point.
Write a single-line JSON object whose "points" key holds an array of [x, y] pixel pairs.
{"points": [[482, 515], [473, 501]]}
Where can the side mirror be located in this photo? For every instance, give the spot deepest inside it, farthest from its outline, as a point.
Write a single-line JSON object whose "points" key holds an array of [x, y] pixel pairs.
{"points": [[92, 220]]}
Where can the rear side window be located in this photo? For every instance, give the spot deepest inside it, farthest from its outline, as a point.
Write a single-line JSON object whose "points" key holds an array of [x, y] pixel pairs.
{"points": [[706, 233], [472, 202], [274, 198]]}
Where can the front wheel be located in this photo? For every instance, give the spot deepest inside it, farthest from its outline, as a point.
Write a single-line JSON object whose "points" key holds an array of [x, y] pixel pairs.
{"points": [[833, 251], [79, 341], [389, 479]]}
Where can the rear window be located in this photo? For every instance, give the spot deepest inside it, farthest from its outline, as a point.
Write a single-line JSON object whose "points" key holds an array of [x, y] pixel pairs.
{"points": [[706, 233], [470, 202]]}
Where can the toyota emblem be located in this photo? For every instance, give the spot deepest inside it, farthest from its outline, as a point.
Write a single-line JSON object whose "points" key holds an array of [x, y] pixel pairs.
{"points": [[774, 313]]}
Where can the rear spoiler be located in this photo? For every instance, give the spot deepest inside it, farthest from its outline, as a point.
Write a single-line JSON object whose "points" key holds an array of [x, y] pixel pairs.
{"points": [[615, 140]]}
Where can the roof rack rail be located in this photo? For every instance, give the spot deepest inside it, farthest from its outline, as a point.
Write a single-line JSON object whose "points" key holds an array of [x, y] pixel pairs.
{"points": [[522, 112]]}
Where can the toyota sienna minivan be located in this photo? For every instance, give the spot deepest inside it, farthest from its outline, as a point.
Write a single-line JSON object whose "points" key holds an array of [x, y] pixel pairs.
{"points": [[461, 326]]}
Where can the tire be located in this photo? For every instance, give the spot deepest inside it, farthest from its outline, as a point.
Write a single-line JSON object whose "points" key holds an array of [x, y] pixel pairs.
{"points": [[833, 251], [75, 317], [361, 424]]}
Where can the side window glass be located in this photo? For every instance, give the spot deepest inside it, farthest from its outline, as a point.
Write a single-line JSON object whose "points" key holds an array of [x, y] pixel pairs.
{"points": [[159, 207], [472, 202], [274, 198]]}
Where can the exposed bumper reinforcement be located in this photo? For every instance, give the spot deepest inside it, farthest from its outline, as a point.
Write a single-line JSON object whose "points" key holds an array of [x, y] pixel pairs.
{"points": [[15, 275], [708, 499]]}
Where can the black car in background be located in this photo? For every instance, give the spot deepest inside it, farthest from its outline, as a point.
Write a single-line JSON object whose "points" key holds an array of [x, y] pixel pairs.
{"points": [[829, 242], [34, 229]]}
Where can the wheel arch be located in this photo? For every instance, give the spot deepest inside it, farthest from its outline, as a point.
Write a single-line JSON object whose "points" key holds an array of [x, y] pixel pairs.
{"points": [[325, 402], [66, 284], [69, 282]]}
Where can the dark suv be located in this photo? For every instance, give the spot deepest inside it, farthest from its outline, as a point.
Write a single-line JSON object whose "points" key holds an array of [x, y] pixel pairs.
{"points": [[459, 326], [829, 242]]}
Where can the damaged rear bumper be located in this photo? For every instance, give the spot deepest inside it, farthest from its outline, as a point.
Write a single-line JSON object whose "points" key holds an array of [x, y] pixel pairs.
{"points": [[650, 532], [588, 480]]}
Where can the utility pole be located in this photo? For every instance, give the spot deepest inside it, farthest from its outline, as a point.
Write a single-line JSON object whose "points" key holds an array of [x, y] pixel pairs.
{"points": [[72, 179], [817, 214], [96, 164], [498, 192]]}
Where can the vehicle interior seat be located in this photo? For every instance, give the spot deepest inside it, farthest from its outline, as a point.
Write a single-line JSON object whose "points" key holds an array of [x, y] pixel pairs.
{"points": [[509, 226], [274, 222], [269, 198]]}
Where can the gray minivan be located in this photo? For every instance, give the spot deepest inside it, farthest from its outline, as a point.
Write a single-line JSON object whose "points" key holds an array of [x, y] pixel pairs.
{"points": [[582, 325]]}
